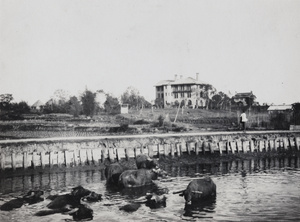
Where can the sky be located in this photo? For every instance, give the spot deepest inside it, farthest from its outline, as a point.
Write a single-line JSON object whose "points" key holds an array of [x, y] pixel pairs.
{"points": [[74, 45]]}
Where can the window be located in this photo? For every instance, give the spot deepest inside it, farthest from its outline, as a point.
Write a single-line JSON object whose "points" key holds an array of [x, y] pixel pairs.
{"points": [[176, 95], [189, 95], [182, 95]]}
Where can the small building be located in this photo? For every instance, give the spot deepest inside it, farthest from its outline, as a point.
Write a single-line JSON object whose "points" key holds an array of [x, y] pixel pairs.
{"points": [[124, 108], [38, 106], [276, 109], [243, 99]]}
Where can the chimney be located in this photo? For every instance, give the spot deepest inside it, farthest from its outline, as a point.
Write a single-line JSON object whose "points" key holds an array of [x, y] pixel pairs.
{"points": [[180, 76], [175, 77], [197, 76]]}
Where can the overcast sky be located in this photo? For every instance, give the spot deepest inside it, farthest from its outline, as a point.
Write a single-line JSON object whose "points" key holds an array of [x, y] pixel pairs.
{"points": [[235, 45]]}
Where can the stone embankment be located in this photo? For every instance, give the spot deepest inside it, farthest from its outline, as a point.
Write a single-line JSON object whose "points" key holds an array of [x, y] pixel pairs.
{"points": [[81, 151]]}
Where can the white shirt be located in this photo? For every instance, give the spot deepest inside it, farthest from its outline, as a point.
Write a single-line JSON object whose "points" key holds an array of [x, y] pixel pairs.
{"points": [[244, 118]]}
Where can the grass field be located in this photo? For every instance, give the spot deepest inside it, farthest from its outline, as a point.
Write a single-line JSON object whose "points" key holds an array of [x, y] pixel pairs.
{"points": [[135, 122]]}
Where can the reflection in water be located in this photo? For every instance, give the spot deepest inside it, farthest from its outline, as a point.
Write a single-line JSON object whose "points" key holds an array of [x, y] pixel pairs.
{"points": [[252, 190], [201, 209]]}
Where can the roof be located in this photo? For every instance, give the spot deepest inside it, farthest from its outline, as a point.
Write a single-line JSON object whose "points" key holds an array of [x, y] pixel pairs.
{"points": [[183, 81], [38, 103], [243, 95], [280, 107]]}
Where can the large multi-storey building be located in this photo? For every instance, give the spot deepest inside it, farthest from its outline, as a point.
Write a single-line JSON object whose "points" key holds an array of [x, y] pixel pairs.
{"points": [[184, 91]]}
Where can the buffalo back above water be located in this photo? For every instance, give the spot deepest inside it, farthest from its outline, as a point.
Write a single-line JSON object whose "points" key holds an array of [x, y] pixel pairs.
{"points": [[200, 189], [143, 161], [113, 172], [137, 178]]}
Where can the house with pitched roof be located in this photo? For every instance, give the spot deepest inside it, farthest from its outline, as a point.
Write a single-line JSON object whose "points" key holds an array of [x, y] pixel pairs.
{"points": [[38, 105], [189, 92], [244, 99]]}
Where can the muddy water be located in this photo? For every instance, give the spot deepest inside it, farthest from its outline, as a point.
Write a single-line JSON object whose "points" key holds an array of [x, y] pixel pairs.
{"points": [[252, 190]]}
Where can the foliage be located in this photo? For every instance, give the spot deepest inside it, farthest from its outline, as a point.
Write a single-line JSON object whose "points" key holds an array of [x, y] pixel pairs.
{"points": [[160, 120], [280, 121], [88, 103], [296, 113], [220, 101], [112, 105], [20, 108], [132, 97], [74, 106], [5, 101], [159, 102]]}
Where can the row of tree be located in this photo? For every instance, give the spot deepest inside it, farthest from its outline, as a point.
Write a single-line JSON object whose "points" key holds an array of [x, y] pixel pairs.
{"points": [[89, 103]]}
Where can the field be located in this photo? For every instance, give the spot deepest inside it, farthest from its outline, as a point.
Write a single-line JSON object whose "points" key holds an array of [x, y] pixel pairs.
{"points": [[135, 122]]}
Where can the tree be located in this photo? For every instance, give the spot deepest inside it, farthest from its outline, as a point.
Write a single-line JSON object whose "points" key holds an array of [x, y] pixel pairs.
{"points": [[5, 101], [88, 103], [112, 105], [132, 97], [20, 108], [74, 106], [296, 113], [159, 102]]}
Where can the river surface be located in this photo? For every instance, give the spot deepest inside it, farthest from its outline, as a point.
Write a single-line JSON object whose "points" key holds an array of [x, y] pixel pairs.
{"points": [[252, 190]]}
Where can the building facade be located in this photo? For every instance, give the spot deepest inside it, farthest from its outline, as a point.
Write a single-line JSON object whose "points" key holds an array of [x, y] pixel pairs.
{"points": [[184, 91]]}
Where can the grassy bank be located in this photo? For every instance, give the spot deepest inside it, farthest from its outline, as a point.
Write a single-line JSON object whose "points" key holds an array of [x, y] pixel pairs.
{"points": [[135, 122]]}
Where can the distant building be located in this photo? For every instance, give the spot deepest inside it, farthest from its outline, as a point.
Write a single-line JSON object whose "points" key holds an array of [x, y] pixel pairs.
{"points": [[242, 98], [38, 106], [275, 109], [183, 91]]}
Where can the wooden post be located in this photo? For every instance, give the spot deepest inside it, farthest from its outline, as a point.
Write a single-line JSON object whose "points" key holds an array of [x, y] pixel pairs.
{"points": [[233, 146], [66, 158], [13, 161], [75, 158], [220, 145], [260, 145], [166, 149], [24, 160], [51, 159], [251, 147], [211, 147], [172, 147], [285, 143], [111, 154], [276, 144], [150, 151], [291, 142], [33, 160], [42, 155], [188, 148], [126, 154], [197, 147], [178, 149]]}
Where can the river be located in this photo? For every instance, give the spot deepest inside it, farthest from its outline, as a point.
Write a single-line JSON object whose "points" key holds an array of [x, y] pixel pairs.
{"points": [[251, 190]]}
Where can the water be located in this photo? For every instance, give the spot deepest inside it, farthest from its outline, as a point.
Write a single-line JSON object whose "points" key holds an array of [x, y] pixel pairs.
{"points": [[252, 190]]}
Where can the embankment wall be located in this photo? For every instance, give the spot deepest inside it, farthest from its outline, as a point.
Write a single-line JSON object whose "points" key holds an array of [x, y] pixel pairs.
{"points": [[80, 151]]}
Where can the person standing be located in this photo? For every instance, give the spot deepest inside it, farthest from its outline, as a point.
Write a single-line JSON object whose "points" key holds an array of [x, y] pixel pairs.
{"points": [[244, 119]]}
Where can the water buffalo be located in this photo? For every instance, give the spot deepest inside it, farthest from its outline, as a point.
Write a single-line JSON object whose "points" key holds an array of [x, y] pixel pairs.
{"points": [[83, 213], [64, 203], [199, 190], [93, 197], [141, 177], [113, 172], [31, 197], [143, 161], [73, 199], [155, 201]]}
